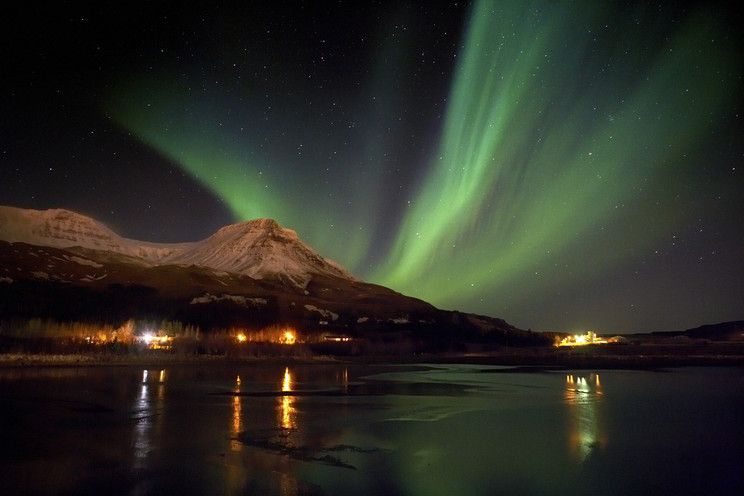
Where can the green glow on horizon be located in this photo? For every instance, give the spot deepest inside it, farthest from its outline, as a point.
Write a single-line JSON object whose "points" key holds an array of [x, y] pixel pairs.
{"points": [[535, 162]]}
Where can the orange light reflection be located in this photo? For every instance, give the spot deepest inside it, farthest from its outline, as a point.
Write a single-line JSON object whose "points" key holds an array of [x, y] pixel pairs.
{"points": [[287, 403], [583, 395], [237, 423]]}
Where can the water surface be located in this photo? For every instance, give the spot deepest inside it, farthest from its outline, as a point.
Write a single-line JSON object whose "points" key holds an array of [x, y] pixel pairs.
{"points": [[361, 429]]}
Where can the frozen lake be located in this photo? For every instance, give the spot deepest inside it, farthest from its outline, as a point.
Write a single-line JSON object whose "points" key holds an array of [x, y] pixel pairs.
{"points": [[364, 429]]}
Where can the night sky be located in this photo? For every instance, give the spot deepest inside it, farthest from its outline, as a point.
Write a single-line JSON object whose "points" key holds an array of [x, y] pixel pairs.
{"points": [[563, 165]]}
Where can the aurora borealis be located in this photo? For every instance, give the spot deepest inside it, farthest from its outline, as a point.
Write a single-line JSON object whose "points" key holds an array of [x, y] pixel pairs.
{"points": [[561, 165]]}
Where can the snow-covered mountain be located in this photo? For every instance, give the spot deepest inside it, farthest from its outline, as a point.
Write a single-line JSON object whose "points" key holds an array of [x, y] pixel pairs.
{"points": [[260, 248], [60, 228]]}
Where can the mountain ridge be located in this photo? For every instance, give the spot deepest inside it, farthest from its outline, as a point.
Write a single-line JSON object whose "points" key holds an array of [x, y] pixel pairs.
{"points": [[258, 248], [252, 274]]}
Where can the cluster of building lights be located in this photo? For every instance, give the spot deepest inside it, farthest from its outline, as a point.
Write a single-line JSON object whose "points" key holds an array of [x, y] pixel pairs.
{"points": [[582, 340], [287, 337], [157, 342]]}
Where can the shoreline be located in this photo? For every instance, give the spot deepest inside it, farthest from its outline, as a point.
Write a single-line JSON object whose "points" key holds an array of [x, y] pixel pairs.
{"points": [[624, 357]]}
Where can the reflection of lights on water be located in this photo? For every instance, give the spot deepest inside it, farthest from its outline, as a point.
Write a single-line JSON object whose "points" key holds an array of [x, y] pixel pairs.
{"points": [[345, 380], [236, 416], [236, 477], [287, 402], [142, 425], [288, 485], [147, 416], [146, 376], [237, 424], [287, 380], [583, 395]]}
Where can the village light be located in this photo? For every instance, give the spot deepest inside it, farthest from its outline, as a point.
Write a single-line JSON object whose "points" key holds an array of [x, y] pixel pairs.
{"points": [[582, 340], [154, 342]]}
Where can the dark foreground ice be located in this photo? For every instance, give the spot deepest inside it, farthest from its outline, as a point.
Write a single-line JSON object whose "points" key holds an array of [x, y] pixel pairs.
{"points": [[361, 429]]}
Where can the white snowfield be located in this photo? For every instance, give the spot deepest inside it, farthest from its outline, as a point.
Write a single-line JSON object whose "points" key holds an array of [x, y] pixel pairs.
{"points": [[261, 248]]}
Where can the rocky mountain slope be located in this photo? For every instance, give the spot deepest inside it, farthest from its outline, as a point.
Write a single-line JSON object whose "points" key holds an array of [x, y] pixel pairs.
{"points": [[60, 265]]}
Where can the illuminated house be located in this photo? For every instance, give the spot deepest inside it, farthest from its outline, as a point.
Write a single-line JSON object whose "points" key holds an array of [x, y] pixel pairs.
{"points": [[154, 342], [288, 338], [582, 340], [276, 334]]}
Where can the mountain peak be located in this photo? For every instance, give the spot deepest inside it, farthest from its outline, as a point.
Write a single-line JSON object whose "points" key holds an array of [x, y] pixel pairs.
{"points": [[257, 226], [260, 248], [263, 249], [56, 227], [264, 222]]}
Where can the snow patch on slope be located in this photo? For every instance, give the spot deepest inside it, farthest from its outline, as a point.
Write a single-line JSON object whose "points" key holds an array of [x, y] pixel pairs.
{"points": [[324, 313], [240, 300], [83, 261]]}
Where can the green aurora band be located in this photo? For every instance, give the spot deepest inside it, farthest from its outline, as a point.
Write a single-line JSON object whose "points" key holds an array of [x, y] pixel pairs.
{"points": [[539, 161], [547, 174]]}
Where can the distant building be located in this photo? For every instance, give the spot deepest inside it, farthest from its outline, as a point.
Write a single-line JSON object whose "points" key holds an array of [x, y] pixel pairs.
{"points": [[336, 338], [582, 340]]}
